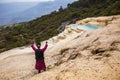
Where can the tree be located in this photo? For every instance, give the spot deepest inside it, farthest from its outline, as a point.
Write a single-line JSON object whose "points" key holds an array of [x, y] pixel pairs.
{"points": [[61, 8]]}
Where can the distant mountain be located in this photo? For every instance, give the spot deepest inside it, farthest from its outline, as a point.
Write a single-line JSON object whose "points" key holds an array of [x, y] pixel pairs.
{"points": [[10, 8], [7, 10], [20, 12]]}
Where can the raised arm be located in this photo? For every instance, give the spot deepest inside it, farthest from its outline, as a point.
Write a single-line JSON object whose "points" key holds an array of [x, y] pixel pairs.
{"points": [[45, 47], [33, 47]]}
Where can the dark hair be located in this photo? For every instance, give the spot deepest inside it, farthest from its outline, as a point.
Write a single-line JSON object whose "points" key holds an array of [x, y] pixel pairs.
{"points": [[38, 43]]}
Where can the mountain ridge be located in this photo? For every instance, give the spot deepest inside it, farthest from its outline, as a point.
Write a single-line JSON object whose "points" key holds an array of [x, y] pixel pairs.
{"points": [[47, 26], [30, 13]]}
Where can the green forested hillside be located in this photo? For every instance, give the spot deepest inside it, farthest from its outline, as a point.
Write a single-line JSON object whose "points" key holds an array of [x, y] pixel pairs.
{"points": [[47, 26]]}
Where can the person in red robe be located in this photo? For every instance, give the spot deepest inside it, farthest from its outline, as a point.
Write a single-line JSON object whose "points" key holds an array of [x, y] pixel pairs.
{"points": [[39, 56]]}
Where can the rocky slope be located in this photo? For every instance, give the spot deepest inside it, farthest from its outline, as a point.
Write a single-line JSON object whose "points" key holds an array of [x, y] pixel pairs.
{"points": [[72, 55]]}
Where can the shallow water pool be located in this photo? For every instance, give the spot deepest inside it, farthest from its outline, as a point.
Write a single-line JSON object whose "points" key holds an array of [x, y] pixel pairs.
{"points": [[85, 27]]}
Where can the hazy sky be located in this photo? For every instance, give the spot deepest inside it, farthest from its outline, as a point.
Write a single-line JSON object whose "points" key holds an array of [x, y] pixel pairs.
{"points": [[7, 1]]}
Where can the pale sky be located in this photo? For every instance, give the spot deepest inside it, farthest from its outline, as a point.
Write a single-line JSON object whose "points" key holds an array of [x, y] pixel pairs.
{"points": [[7, 1]]}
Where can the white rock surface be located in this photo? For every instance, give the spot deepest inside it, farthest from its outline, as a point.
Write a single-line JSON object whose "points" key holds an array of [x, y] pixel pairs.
{"points": [[72, 55]]}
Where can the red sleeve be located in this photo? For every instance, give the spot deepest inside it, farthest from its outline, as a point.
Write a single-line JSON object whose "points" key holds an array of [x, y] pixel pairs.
{"points": [[33, 47], [45, 47]]}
